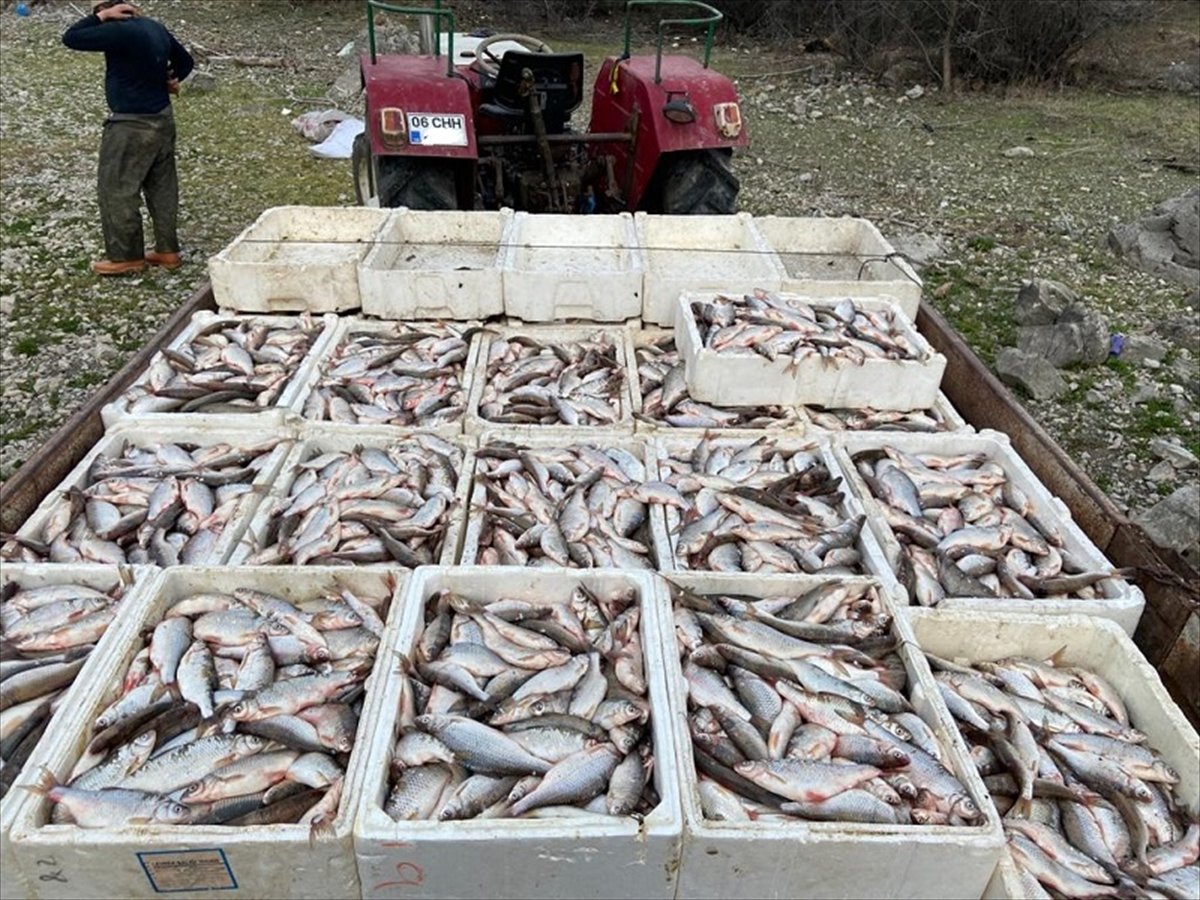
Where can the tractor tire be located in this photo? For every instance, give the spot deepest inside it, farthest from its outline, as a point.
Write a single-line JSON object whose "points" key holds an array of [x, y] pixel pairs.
{"points": [[415, 183], [700, 182], [362, 168]]}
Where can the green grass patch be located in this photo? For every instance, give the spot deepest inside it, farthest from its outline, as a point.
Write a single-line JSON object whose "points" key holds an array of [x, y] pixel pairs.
{"points": [[27, 346], [1153, 418]]}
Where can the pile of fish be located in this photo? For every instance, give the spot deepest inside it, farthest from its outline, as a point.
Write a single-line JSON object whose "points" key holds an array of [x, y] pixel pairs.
{"points": [[555, 383], [798, 709], [916, 421], [966, 530], [239, 709], [580, 506], [367, 505], [665, 396], [410, 375], [228, 366], [758, 507], [149, 504], [790, 328], [1089, 808], [525, 708], [46, 634]]}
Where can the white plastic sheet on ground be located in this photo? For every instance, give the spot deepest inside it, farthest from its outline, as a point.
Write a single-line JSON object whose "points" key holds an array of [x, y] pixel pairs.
{"points": [[340, 140]]}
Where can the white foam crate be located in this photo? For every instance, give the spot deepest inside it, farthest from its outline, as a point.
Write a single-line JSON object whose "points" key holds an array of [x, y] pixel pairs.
{"points": [[1084, 641], [180, 432], [195, 860], [665, 519], [942, 410], [698, 253], [726, 860], [746, 378], [296, 259], [1123, 602], [348, 325], [290, 398], [139, 583], [1006, 883], [512, 858], [840, 257], [438, 264], [595, 437], [320, 438], [573, 267], [795, 424], [475, 424]]}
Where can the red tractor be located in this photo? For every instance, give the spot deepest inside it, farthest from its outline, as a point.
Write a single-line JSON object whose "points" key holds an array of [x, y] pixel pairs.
{"points": [[491, 126]]}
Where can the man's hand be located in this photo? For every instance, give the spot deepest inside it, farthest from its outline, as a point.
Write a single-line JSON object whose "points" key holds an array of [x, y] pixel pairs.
{"points": [[120, 11], [172, 85]]}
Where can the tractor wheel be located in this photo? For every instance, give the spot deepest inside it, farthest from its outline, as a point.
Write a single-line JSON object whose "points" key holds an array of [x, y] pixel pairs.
{"points": [[415, 183], [700, 182], [363, 170]]}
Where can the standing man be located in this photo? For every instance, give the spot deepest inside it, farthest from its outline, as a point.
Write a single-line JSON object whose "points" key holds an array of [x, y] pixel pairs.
{"points": [[143, 67]]}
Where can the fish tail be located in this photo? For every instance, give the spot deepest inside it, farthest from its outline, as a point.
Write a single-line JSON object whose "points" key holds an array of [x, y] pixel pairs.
{"points": [[44, 782], [1022, 809]]}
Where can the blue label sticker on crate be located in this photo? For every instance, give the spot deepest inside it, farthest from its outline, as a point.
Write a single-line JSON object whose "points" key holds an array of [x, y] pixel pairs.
{"points": [[173, 871]]}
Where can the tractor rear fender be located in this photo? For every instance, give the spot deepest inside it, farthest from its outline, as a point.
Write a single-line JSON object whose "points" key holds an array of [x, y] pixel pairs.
{"points": [[633, 88], [415, 109]]}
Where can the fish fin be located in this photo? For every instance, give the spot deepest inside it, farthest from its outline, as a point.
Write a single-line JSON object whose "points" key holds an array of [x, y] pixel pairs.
{"points": [[1022, 809], [1056, 658], [44, 782]]}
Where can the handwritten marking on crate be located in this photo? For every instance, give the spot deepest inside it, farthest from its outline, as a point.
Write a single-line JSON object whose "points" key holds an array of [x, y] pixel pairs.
{"points": [[173, 871], [53, 873], [408, 874]]}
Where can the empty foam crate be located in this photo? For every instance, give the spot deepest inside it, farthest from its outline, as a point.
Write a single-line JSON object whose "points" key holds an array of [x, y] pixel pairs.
{"points": [[573, 267], [255, 861], [437, 264], [742, 377], [761, 858], [296, 259], [840, 257], [698, 253], [601, 856], [1121, 601]]}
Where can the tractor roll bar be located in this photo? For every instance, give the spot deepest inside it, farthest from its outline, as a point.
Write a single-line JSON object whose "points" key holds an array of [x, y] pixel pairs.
{"points": [[436, 11], [711, 21]]}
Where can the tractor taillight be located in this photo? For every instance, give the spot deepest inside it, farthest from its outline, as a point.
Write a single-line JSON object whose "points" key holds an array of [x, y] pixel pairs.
{"points": [[391, 123], [729, 119], [678, 110]]}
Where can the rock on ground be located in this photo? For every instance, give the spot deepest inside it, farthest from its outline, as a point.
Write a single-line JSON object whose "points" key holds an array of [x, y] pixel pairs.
{"points": [[918, 248], [1165, 241], [1032, 374], [1174, 522], [1041, 301]]}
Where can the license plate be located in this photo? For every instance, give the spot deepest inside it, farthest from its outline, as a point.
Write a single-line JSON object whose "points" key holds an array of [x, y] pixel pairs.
{"points": [[437, 129]]}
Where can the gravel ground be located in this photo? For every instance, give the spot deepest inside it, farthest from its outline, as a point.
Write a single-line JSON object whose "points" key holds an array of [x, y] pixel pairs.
{"points": [[824, 143]]}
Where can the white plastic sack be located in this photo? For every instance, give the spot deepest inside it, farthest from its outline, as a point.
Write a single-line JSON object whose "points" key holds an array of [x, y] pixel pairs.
{"points": [[340, 141]]}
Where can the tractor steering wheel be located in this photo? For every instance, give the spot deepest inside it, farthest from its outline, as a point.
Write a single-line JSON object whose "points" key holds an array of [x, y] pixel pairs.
{"points": [[488, 62]]}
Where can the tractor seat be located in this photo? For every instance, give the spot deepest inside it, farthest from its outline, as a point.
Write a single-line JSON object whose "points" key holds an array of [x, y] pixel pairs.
{"points": [[558, 77]]}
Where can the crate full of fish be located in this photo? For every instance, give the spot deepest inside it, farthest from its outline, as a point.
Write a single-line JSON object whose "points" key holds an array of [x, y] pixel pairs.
{"points": [[545, 380], [154, 495], [938, 418], [1094, 768], [700, 253], [409, 376], [770, 505], [55, 623], [524, 747], [579, 504], [764, 347], [662, 402], [817, 759], [296, 259], [561, 267], [224, 365], [220, 748], [839, 257], [363, 497], [436, 264], [964, 523]]}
